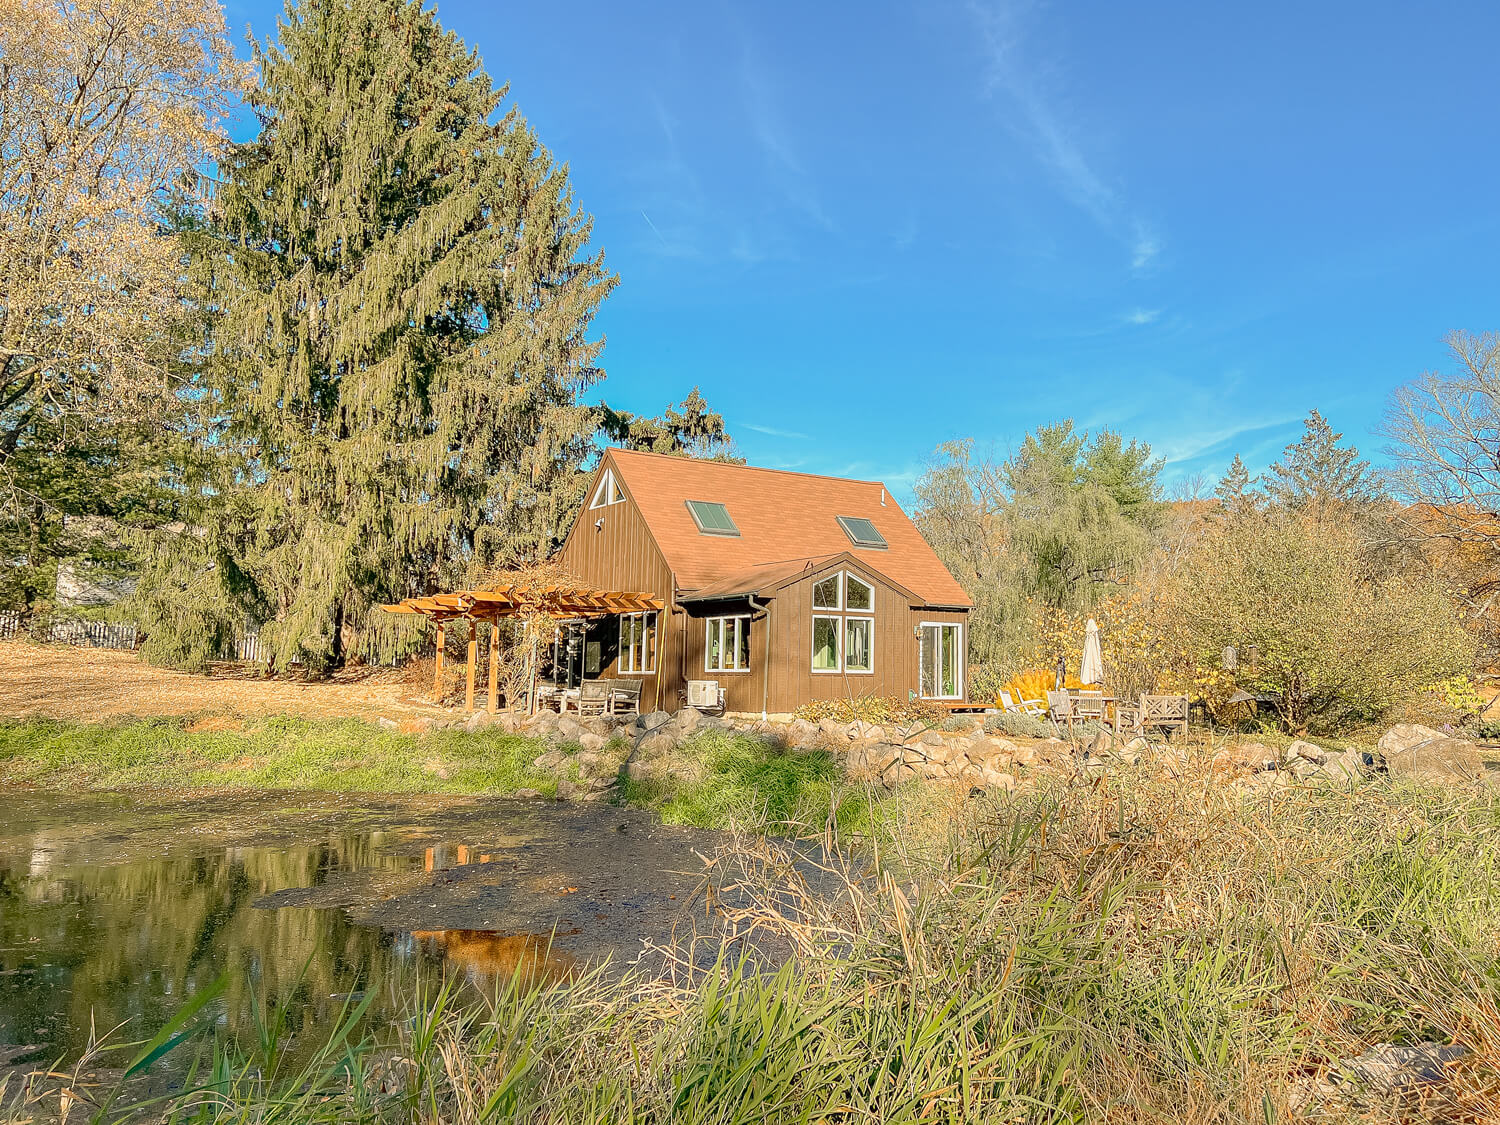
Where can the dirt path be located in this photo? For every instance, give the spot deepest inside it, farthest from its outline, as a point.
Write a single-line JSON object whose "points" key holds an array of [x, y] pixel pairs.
{"points": [[56, 681]]}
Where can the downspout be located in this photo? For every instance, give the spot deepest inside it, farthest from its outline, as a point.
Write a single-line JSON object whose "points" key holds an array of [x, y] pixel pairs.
{"points": [[765, 668]]}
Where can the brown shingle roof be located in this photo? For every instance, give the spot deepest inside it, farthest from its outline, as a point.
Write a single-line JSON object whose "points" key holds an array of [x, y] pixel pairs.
{"points": [[781, 516]]}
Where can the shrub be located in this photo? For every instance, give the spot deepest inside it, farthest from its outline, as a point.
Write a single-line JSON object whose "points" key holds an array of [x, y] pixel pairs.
{"points": [[1335, 639], [1019, 726], [873, 709]]}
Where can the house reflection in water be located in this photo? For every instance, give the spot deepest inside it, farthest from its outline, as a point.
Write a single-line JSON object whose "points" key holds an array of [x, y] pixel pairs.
{"points": [[492, 955]]}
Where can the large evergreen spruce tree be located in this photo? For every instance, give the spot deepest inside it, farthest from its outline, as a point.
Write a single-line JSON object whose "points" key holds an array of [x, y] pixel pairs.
{"points": [[401, 291]]}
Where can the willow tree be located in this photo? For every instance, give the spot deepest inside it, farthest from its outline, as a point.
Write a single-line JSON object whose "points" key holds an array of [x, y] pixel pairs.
{"points": [[401, 289]]}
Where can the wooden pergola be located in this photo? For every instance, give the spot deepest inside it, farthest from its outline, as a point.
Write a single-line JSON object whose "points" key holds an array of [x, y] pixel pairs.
{"points": [[553, 602]]}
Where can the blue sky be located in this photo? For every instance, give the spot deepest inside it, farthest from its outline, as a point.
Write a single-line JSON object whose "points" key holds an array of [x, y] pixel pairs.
{"points": [[864, 229]]}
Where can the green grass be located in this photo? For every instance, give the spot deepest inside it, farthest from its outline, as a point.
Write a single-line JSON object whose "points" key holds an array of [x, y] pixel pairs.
{"points": [[1146, 949], [743, 784], [735, 780], [276, 753]]}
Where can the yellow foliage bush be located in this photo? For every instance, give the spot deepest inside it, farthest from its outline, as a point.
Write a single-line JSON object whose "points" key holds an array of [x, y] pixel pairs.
{"points": [[872, 709]]}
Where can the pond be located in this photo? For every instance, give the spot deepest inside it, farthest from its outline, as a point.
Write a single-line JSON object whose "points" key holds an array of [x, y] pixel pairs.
{"points": [[114, 909]]}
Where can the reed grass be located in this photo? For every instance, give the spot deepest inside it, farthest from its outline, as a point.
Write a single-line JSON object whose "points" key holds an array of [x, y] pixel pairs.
{"points": [[1139, 949]]}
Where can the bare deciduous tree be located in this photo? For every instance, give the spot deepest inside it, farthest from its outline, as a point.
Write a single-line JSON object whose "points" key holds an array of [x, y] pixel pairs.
{"points": [[1444, 432]]}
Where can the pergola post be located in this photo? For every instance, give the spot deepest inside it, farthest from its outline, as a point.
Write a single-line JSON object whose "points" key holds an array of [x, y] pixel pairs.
{"points": [[473, 652], [494, 699], [437, 667]]}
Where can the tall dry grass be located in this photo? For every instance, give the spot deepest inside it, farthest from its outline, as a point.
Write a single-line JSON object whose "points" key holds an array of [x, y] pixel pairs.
{"points": [[1137, 949]]}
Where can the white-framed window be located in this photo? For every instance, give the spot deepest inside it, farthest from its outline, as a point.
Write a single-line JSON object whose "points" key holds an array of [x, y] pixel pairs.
{"points": [[608, 491], [727, 646], [638, 643], [858, 594], [843, 643], [829, 593], [940, 660], [859, 645], [827, 643]]}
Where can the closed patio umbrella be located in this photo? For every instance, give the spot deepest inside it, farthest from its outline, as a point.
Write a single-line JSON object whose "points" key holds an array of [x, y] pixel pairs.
{"points": [[1091, 670]]}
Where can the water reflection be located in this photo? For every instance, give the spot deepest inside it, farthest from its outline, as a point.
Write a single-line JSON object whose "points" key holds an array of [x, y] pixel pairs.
{"points": [[124, 943], [111, 916]]}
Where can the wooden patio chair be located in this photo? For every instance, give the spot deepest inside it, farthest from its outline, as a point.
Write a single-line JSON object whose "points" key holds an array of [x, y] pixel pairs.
{"points": [[1166, 711], [1060, 707], [1127, 717], [593, 697], [1036, 708], [1088, 707], [624, 697]]}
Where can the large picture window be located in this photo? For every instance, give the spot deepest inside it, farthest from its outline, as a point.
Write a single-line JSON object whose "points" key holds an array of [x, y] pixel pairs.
{"points": [[843, 643], [827, 655], [859, 644], [638, 643], [728, 646]]}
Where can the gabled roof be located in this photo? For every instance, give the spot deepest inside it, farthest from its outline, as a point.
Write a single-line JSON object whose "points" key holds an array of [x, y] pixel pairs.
{"points": [[785, 520]]}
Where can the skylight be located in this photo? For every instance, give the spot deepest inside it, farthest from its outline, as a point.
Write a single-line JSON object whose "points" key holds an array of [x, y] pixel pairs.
{"points": [[712, 518], [862, 533]]}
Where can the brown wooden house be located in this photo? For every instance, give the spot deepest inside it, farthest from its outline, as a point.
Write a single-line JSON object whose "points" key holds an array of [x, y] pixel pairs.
{"points": [[782, 587]]}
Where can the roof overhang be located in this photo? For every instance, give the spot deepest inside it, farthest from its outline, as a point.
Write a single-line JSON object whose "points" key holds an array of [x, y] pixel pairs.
{"points": [[768, 579]]}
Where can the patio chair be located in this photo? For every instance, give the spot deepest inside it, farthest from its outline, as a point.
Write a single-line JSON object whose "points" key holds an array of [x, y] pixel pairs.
{"points": [[1088, 706], [624, 697], [593, 697], [1127, 717], [1060, 707], [1167, 711], [1036, 708]]}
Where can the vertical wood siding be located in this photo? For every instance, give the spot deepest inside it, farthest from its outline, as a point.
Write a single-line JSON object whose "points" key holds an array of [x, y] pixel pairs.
{"points": [[622, 555]]}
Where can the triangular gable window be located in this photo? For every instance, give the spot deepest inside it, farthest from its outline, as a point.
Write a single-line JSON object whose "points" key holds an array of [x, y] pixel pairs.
{"points": [[608, 491]]}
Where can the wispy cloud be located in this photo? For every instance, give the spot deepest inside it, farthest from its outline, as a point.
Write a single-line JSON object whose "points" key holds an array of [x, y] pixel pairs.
{"points": [[772, 431], [1142, 316], [774, 139], [1042, 122]]}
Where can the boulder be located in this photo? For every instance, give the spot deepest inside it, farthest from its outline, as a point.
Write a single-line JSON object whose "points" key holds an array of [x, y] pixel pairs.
{"points": [[387, 724], [833, 728], [861, 731], [1307, 752], [1443, 759], [1403, 736], [652, 720], [551, 760], [801, 733], [567, 728], [689, 720], [929, 738], [1022, 755], [478, 721], [656, 745], [897, 773], [529, 794], [591, 741], [1341, 768], [1102, 744], [994, 779], [883, 755]]}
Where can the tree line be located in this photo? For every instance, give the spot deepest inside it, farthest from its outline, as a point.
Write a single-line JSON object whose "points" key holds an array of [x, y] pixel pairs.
{"points": [[276, 383], [1328, 592]]}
